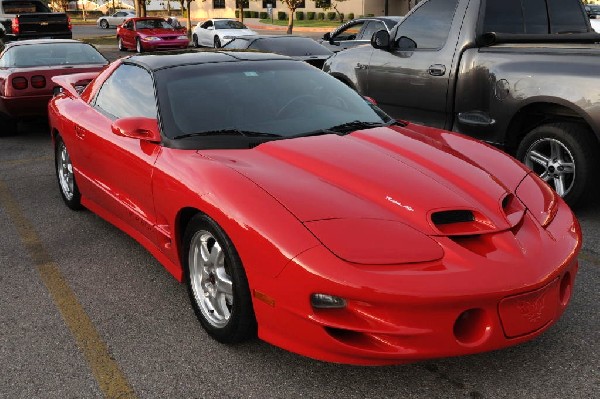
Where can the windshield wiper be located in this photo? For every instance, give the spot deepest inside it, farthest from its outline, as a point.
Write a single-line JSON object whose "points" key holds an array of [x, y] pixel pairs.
{"points": [[356, 125], [227, 132]]}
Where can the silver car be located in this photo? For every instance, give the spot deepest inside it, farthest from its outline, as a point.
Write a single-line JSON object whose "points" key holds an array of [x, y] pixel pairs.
{"points": [[115, 19]]}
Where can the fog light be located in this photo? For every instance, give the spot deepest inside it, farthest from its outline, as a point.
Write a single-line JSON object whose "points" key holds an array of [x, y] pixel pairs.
{"points": [[324, 301]]}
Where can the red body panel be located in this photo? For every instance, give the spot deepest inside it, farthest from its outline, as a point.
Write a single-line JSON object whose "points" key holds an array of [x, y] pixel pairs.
{"points": [[422, 293]]}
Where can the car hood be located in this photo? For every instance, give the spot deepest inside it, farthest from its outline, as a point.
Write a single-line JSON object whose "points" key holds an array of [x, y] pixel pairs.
{"points": [[159, 32], [393, 174], [236, 32]]}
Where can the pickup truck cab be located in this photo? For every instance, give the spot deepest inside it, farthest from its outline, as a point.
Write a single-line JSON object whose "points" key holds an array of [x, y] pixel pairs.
{"points": [[522, 75], [32, 19]]}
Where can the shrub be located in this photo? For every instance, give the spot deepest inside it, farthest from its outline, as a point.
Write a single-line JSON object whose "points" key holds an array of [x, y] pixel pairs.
{"points": [[331, 16], [370, 15], [254, 14], [351, 15], [281, 16], [321, 16], [264, 15], [299, 15], [247, 14], [310, 15]]}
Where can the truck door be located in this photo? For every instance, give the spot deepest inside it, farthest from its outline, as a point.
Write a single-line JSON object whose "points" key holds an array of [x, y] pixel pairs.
{"points": [[412, 83]]}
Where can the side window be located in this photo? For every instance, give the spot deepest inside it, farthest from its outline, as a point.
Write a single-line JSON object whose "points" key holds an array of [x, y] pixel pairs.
{"points": [[350, 32], [129, 25], [429, 25], [566, 16], [129, 91], [206, 24], [372, 27]]}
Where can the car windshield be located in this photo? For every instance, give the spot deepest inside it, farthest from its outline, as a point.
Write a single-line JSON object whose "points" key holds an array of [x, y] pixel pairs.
{"points": [[152, 24], [277, 98], [228, 24], [292, 46], [50, 54]]}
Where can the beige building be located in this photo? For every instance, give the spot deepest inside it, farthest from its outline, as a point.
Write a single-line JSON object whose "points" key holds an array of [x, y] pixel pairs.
{"points": [[226, 8]]}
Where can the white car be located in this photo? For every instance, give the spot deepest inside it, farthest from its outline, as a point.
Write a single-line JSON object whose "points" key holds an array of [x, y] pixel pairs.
{"points": [[115, 19], [595, 24], [218, 31]]}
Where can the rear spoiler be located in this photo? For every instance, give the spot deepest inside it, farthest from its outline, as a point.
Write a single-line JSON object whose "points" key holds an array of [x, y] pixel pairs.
{"points": [[73, 84], [491, 38]]}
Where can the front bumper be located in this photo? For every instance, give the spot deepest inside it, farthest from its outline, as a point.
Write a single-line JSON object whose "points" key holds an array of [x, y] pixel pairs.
{"points": [[165, 44], [474, 300]]}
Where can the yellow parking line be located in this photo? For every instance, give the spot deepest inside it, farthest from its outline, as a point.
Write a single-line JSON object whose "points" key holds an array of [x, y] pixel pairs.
{"points": [[13, 162], [106, 371]]}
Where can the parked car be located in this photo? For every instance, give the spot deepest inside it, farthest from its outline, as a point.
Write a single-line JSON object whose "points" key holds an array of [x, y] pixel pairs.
{"points": [[26, 69], [357, 31], [592, 10], [115, 19], [217, 32], [149, 33], [298, 47], [297, 210], [478, 67], [31, 19]]}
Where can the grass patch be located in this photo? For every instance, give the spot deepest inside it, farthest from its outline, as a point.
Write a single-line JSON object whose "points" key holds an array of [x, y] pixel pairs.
{"points": [[304, 23], [101, 40]]}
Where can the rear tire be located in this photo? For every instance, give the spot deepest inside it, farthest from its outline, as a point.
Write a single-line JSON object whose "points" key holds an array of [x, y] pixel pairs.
{"points": [[217, 283], [65, 176], [565, 156]]}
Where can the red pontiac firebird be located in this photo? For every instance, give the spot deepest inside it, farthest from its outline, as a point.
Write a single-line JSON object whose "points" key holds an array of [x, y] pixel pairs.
{"points": [[147, 33], [26, 69], [298, 211]]}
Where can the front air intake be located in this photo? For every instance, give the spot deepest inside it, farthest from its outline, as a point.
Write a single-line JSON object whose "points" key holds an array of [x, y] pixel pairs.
{"points": [[448, 217]]}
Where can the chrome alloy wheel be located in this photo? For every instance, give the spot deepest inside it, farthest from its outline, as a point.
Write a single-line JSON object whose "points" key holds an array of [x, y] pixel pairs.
{"points": [[210, 281], [65, 172], [553, 162]]}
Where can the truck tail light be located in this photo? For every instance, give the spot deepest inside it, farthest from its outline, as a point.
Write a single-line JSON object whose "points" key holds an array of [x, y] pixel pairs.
{"points": [[69, 23], [19, 83], [15, 26], [38, 81]]}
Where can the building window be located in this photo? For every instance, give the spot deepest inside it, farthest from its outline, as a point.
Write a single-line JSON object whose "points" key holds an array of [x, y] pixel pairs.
{"points": [[302, 4], [218, 3], [272, 2], [323, 3], [245, 3]]}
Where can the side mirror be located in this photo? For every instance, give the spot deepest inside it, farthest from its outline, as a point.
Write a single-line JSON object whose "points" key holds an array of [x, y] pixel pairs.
{"points": [[381, 40], [210, 28], [406, 44], [141, 128], [327, 36]]}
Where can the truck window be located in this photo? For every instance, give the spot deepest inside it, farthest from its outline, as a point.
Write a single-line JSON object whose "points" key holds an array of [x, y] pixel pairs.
{"points": [[429, 25], [531, 16]]}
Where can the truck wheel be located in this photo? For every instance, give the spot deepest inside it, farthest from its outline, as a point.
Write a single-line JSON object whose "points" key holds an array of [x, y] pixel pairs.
{"points": [[104, 24], [563, 155]]}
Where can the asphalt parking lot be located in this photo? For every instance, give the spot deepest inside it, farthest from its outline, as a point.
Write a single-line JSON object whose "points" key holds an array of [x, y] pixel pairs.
{"points": [[86, 312]]}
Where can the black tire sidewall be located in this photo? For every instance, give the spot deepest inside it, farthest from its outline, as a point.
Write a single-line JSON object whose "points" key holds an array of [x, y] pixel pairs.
{"points": [[242, 323], [579, 141], [104, 24]]}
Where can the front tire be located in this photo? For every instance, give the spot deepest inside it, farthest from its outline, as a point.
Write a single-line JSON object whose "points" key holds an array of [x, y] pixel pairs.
{"points": [[217, 283], [138, 45], [217, 42], [195, 41], [564, 156], [120, 44], [104, 24], [65, 176]]}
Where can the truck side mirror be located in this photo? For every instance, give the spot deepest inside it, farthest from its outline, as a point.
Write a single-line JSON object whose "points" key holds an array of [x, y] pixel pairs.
{"points": [[381, 40]]}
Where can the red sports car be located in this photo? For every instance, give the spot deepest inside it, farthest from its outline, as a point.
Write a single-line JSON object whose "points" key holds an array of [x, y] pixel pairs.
{"points": [[297, 210], [146, 34], [26, 69]]}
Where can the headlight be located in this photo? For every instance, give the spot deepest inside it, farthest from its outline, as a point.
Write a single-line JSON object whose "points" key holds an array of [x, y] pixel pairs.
{"points": [[151, 38], [374, 241], [539, 198], [182, 37]]}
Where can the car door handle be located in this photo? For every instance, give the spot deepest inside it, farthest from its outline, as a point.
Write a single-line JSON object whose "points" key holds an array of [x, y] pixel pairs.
{"points": [[79, 132], [437, 70]]}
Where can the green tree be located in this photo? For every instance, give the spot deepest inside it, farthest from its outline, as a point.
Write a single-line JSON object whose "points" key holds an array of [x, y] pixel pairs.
{"points": [[333, 4], [292, 5]]}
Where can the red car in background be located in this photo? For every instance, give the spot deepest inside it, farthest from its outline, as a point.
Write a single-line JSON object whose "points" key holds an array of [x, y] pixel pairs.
{"points": [[146, 34], [26, 71]]}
